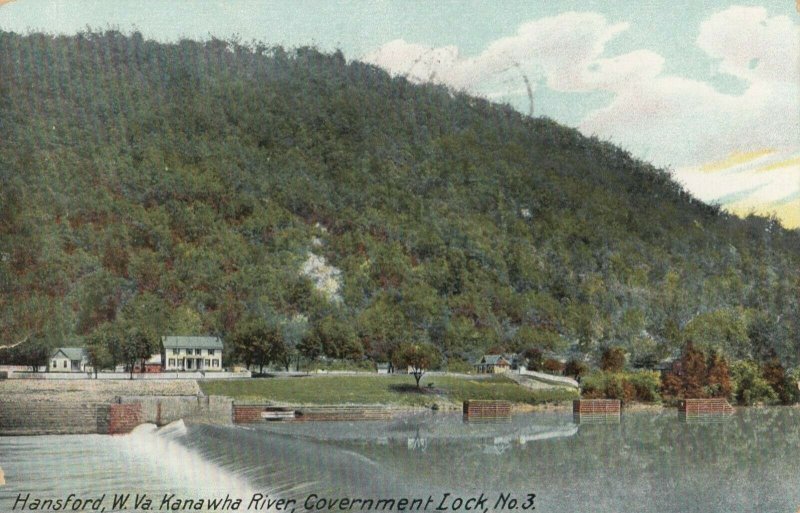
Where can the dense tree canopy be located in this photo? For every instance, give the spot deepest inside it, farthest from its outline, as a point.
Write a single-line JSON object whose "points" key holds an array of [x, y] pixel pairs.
{"points": [[180, 188]]}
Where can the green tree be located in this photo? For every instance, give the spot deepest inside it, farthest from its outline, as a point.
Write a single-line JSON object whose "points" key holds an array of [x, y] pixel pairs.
{"points": [[419, 357], [689, 376], [575, 368], [765, 334], [136, 346], [534, 358], [293, 331], [310, 346], [543, 338], [337, 338], [724, 329], [99, 357], [719, 379], [258, 342], [751, 387], [109, 336], [775, 374], [612, 359]]}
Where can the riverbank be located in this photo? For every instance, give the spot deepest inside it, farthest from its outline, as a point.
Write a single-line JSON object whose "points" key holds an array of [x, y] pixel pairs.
{"points": [[31, 407], [395, 390]]}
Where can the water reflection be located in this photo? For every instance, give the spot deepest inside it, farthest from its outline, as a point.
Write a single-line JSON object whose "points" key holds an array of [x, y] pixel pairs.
{"points": [[704, 418], [597, 418], [648, 462]]}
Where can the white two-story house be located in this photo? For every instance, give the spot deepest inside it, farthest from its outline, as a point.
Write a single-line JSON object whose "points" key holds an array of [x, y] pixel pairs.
{"points": [[192, 353]]}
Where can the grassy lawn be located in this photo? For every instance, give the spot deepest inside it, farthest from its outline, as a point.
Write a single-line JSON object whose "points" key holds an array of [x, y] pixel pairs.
{"points": [[373, 389]]}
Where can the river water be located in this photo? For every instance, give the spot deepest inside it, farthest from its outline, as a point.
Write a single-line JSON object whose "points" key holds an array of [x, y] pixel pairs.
{"points": [[646, 462]]}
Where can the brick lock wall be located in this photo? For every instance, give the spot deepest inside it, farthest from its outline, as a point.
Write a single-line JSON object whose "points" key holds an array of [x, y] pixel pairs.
{"points": [[244, 414], [122, 418], [487, 409], [705, 406], [596, 406]]}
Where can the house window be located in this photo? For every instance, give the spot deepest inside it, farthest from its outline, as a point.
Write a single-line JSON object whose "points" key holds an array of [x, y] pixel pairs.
{"points": [[172, 362], [54, 364], [208, 362], [215, 363], [210, 352], [65, 364], [188, 351], [176, 351]]}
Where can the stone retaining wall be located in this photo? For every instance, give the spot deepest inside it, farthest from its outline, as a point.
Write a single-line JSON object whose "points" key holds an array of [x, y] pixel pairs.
{"points": [[161, 410], [49, 417], [20, 416]]}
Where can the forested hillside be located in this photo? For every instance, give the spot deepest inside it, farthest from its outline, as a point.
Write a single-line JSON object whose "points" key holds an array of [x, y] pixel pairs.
{"points": [[198, 188]]}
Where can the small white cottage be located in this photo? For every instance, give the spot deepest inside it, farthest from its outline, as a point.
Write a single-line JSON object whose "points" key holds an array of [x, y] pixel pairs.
{"points": [[69, 359]]}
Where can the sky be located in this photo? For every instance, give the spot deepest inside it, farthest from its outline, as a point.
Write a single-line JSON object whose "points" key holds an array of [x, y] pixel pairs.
{"points": [[708, 89]]}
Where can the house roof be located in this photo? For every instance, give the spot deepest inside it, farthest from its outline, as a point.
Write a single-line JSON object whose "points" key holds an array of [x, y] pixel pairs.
{"points": [[173, 342], [72, 353], [494, 359]]}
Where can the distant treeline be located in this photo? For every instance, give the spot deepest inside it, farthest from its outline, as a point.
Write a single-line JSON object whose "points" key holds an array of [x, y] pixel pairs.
{"points": [[150, 189]]}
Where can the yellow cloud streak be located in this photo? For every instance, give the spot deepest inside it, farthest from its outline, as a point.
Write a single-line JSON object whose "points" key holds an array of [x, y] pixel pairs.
{"points": [[735, 159], [784, 163], [788, 213]]}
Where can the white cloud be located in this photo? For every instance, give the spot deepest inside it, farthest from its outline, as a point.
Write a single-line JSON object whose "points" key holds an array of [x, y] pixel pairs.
{"points": [[681, 121], [558, 48], [751, 45], [631, 68]]}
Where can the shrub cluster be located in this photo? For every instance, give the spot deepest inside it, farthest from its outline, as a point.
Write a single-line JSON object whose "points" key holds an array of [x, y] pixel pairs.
{"points": [[640, 385], [697, 375]]}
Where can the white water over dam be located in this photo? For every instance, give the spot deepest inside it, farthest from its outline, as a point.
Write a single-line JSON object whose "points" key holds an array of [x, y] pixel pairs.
{"points": [[149, 461]]}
